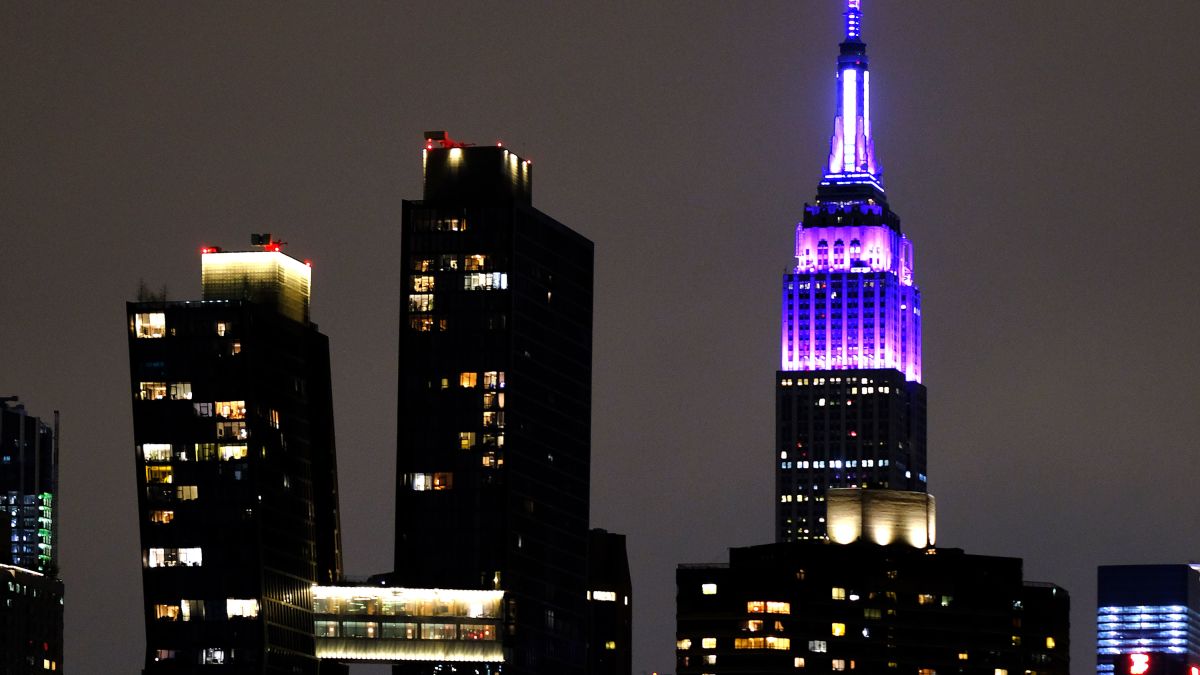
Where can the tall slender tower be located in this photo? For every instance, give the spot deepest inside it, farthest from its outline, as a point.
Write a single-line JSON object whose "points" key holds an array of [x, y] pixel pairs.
{"points": [[236, 475], [495, 403], [850, 406]]}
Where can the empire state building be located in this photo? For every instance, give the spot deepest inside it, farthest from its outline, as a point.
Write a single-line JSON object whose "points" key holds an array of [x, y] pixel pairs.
{"points": [[850, 406]]}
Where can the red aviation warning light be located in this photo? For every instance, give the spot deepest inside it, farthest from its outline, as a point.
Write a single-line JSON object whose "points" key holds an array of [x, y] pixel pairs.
{"points": [[1139, 664]]}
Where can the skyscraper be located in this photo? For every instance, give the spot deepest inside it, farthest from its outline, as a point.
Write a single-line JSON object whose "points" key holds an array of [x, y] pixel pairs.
{"points": [[850, 406], [28, 488], [31, 592], [236, 474], [1148, 620], [495, 402]]}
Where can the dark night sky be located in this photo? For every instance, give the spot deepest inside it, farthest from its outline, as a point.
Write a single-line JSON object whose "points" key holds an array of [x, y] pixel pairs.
{"points": [[1041, 154]]}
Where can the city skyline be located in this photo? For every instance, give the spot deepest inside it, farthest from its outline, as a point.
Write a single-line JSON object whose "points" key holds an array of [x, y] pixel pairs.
{"points": [[1022, 143]]}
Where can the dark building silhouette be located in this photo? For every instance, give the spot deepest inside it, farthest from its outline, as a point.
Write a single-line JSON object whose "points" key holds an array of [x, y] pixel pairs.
{"points": [[28, 489], [1148, 620], [850, 406], [820, 607], [236, 473], [610, 605], [495, 403], [31, 592]]}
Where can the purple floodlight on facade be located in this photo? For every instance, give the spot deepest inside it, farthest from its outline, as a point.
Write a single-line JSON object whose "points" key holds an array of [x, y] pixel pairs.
{"points": [[852, 148], [852, 301]]}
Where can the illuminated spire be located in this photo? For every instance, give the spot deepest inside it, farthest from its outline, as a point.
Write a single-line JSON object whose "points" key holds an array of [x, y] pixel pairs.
{"points": [[852, 148]]}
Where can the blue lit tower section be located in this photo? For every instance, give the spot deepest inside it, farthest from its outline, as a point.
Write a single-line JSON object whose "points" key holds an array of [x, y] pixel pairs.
{"points": [[1148, 620], [850, 406]]}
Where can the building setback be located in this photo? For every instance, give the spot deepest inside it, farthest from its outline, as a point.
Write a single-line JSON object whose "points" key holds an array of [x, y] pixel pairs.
{"points": [[31, 592], [820, 607], [1148, 620], [235, 466], [495, 402], [850, 406]]}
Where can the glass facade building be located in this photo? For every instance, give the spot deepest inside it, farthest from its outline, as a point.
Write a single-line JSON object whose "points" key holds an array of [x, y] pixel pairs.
{"points": [[495, 403], [31, 592], [1148, 620], [236, 474], [850, 406]]}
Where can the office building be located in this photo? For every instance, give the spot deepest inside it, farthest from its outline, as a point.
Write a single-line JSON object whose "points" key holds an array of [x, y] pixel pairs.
{"points": [[495, 403], [820, 607], [31, 592], [236, 473], [850, 406], [1148, 620], [28, 487], [610, 605]]}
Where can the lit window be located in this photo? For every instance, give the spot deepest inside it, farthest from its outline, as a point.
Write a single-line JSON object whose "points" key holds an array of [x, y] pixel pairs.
{"points": [[838, 629], [422, 323], [683, 643], [779, 607], [610, 645], [233, 410], [838, 593], [186, 492], [420, 302], [273, 419], [159, 474], [164, 654], [162, 517], [493, 419], [191, 610], [924, 599], [485, 281], [424, 482], [150, 325], [708, 643], [203, 409], [174, 557], [475, 263], [816, 646], [604, 596], [475, 631], [999, 671], [1050, 643], [235, 608], [838, 664], [466, 439], [181, 391], [710, 659], [152, 391], [468, 380], [798, 662], [232, 430], [493, 379], [156, 452], [756, 607], [963, 656], [708, 589], [754, 625], [422, 283], [166, 612], [438, 631], [228, 452], [212, 656]]}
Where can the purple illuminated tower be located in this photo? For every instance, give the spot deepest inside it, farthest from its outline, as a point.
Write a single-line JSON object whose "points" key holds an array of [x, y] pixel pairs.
{"points": [[850, 406]]}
